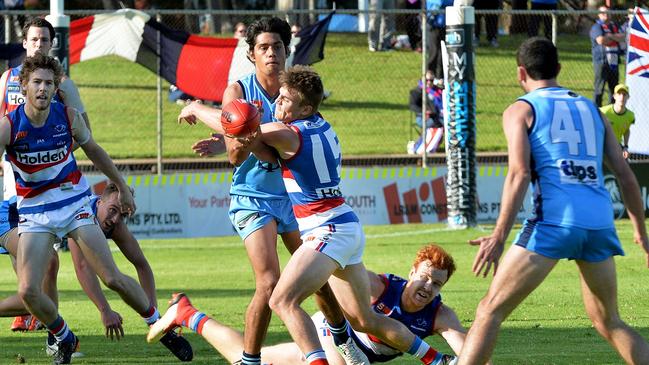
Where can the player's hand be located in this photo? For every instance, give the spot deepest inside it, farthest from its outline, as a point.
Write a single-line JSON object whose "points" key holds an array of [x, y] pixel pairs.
{"points": [[113, 323], [187, 113], [247, 141], [127, 202], [643, 242], [210, 146], [259, 104], [488, 255]]}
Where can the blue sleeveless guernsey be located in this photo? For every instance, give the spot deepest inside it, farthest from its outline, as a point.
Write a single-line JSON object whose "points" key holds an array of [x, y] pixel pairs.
{"points": [[420, 323], [254, 178], [567, 147], [312, 176]]}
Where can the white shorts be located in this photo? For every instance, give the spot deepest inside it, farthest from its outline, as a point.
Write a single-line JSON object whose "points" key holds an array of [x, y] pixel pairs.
{"points": [[344, 243], [58, 222]]}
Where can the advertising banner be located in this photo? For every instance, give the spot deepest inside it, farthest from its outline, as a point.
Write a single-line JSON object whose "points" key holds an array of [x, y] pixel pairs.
{"points": [[196, 205]]}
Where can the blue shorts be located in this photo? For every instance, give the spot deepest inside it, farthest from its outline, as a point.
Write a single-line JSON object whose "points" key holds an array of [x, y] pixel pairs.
{"points": [[557, 242], [249, 214]]}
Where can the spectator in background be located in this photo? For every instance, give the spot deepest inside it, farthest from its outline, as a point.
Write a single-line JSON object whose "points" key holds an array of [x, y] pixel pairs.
{"points": [[433, 103], [605, 40], [295, 29], [413, 25], [490, 20], [620, 117], [437, 31], [434, 123], [381, 25], [533, 29], [240, 30]]}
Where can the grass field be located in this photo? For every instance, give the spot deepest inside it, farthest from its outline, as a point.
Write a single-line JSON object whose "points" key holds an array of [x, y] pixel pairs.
{"points": [[368, 106], [549, 328]]}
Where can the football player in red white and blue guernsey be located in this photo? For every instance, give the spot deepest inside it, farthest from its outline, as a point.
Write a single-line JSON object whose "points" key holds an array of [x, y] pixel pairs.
{"points": [[308, 151], [53, 197], [416, 302]]}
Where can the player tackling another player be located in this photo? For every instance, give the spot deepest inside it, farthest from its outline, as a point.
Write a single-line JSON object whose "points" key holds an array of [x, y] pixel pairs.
{"points": [[333, 240]]}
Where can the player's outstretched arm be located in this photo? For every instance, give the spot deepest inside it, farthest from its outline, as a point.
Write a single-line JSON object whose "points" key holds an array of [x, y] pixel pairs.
{"points": [[629, 187], [516, 120], [111, 320], [196, 111], [100, 159]]}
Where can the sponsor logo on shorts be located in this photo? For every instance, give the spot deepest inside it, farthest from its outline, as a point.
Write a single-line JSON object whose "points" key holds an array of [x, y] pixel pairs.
{"points": [[245, 221], [578, 172]]}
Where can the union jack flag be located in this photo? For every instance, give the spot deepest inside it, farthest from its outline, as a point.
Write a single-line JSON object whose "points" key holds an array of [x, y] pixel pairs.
{"points": [[638, 51]]}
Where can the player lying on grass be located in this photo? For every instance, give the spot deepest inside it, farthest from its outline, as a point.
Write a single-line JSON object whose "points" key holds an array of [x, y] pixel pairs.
{"points": [[416, 302], [111, 221]]}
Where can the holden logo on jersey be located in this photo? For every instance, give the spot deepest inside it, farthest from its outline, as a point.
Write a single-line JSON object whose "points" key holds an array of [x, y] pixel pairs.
{"points": [[578, 172], [42, 157], [610, 183], [60, 128], [316, 124]]}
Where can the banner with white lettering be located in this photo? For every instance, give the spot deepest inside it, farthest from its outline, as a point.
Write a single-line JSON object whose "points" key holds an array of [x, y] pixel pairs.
{"points": [[196, 205]]}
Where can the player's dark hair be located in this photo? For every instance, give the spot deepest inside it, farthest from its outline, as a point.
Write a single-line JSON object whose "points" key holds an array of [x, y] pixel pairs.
{"points": [[38, 23], [268, 25], [111, 188], [440, 259], [539, 57], [38, 61], [306, 82]]}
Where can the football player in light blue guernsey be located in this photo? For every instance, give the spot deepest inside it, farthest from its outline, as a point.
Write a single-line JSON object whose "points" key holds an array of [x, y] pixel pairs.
{"points": [[333, 239], [558, 141], [416, 302], [260, 208]]}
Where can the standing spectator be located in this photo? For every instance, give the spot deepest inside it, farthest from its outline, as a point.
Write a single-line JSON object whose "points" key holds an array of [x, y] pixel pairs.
{"points": [[437, 31], [240, 30], [620, 117], [381, 26], [605, 40], [413, 25], [490, 20], [533, 29]]}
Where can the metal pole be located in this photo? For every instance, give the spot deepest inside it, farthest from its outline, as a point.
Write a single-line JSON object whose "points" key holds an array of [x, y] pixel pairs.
{"points": [[61, 24], [7, 21], [554, 27], [461, 193], [159, 101], [424, 57]]}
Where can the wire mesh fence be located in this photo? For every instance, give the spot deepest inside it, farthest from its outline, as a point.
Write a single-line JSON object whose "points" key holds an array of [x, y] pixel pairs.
{"points": [[368, 79]]}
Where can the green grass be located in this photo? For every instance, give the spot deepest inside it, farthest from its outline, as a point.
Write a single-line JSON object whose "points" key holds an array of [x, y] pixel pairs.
{"points": [[368, 105], [550, 327]]}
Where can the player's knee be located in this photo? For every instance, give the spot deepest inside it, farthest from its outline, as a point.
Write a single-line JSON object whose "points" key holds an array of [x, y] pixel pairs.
{"points": [[489, 308], [29, 292], [265, 285], [114, 281]]}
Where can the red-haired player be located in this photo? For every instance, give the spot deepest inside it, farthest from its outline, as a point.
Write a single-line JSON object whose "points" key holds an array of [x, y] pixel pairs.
{"points": [[415, 301]]}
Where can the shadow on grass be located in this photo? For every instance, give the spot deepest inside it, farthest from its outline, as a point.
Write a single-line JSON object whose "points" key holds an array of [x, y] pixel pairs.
{"points": [[163, 293], [533, 345]]}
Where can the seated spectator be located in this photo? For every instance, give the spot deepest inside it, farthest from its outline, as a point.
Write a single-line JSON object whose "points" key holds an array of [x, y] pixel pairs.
{"points": [[433, 102], [434, 116]]}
